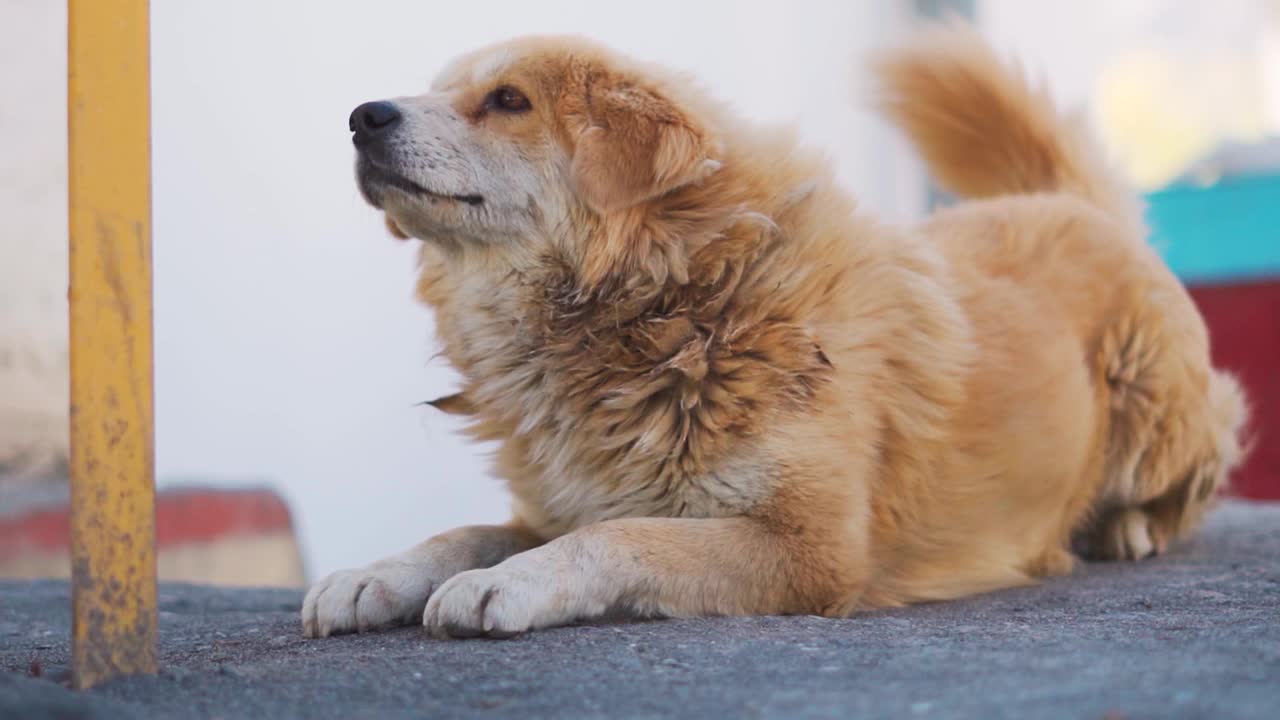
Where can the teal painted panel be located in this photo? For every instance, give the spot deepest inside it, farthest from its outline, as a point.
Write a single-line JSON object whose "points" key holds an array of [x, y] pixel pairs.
{"points": [[1227, 231]]}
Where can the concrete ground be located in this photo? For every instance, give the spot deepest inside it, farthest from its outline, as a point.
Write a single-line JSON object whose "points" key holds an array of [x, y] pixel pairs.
{"points": [[1192, 634]]}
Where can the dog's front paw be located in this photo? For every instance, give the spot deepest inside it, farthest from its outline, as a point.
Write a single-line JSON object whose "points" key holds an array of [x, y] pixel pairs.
{"points": [[1128, 534], [380, 595], [498, 602]]}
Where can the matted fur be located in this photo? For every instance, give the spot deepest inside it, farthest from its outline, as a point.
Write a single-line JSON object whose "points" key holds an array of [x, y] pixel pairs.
{"points": [[716, 387]]}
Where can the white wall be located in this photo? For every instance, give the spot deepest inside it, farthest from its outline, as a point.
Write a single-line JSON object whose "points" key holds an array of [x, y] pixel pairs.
{"points": [[288, 345], [33, 244], [1070, 42], [1167, 81]]}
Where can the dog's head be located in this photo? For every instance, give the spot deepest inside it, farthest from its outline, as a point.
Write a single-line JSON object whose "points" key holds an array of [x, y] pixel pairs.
{"points": [[517, 141]]}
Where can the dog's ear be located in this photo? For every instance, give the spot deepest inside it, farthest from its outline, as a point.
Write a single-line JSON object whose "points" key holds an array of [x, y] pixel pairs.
{"points": [[394, 229], [631, 143]]}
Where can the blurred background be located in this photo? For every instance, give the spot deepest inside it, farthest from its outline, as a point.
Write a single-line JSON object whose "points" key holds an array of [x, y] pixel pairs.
{"points": [[289, 353]]}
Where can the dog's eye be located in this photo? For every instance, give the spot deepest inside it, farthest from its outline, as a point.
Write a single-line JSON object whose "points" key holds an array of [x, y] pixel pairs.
{"points": [[508, 99]]}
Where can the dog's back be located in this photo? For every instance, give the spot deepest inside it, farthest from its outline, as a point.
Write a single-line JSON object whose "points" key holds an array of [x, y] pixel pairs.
{"points": [[1078, 321]]}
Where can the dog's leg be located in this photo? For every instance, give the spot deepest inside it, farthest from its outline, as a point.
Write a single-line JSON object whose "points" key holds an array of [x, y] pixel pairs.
{"points": [[1174, 440], [394, 590], [1147, 526], [654, 566]]}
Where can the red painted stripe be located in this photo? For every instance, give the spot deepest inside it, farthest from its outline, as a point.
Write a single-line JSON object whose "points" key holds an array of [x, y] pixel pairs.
{"points": [[44, 530], [182, 517]]}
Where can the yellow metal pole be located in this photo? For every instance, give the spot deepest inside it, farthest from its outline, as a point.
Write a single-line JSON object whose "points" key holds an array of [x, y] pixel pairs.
{"points": [[113, 563]]}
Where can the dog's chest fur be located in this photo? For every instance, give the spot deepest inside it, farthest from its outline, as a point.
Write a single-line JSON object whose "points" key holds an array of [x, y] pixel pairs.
{"points": [[622, 403]]}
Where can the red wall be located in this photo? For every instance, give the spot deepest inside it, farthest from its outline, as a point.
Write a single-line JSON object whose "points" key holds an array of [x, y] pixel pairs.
{"points": [[1244, 327]]}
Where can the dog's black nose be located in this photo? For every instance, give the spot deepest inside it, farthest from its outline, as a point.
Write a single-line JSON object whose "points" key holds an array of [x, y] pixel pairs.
{"points": [[373, 119]]}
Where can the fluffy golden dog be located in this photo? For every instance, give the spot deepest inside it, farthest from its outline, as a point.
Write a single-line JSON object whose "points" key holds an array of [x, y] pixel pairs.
{"points": [[718, 388]]}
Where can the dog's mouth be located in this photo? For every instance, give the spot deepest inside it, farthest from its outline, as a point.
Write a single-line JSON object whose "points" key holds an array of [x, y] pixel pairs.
{"points": [[374, 177]]}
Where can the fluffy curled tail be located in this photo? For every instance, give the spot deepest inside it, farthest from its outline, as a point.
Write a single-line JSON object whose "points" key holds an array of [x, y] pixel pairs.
{"points": [[985, 132]]}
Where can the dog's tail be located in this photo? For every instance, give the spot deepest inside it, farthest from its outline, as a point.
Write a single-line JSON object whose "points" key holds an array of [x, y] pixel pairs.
{"points": [[985, 132]]}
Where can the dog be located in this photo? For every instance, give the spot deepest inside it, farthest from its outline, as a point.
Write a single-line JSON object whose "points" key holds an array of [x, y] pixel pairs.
{"points": [[717, 387]]}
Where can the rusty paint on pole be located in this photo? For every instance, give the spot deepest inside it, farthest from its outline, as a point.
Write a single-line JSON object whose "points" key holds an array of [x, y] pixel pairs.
{"points": [[113, 562]]}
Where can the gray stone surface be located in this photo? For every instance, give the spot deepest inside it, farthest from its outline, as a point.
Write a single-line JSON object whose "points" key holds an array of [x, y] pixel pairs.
{"points": [[1192, 634]]}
